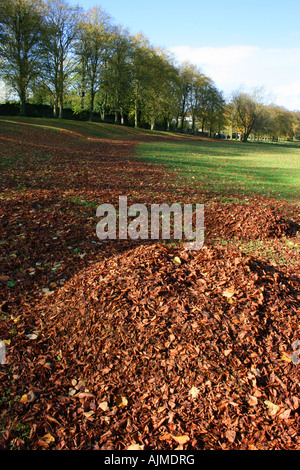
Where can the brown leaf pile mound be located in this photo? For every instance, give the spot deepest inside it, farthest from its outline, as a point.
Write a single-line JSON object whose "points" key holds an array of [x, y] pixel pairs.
{"points": [[247, 221], [160, 346]]}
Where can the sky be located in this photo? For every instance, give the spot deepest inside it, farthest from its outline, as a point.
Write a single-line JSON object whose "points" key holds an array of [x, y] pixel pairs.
{"points": [[238, 44]]}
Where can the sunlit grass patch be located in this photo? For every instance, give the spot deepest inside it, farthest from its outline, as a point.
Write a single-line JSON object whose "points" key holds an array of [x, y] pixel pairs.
{"points": [[228, 168]]}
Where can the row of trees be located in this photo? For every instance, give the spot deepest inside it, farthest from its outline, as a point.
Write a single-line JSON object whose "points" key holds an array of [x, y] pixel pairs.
{"points": [[62, 56], [251, 117], [56, 54]]}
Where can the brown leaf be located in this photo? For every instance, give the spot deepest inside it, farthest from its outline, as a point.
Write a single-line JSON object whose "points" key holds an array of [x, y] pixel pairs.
{"points": [[194, 392], [121, 401], [285, 414], [230, 435], [181, 439], [272, 408], [46, 440], [104, 406], [252, 401], [135, 447]]}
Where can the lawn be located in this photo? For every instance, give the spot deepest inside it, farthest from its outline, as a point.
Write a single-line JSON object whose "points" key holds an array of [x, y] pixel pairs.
{"points": [[224, 168]]}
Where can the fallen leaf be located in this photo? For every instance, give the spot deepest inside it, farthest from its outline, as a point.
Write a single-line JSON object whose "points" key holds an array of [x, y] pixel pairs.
{"points": [[46, 440], [23, 398], [286, 358], [135, 447], [28, 397], [104, 406], [47, 291], [121, 401], [32, 336], [252, 401], [227, 352], [285, 414], [272, 408], [31, 396], [80, 385], [229, 292], [165, 437], [89, 414], [180, 439], [85, 395], [194, 392], [230, 435], [252, 447]]}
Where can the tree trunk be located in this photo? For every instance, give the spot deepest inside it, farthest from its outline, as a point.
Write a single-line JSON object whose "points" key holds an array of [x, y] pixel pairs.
{"points": [[23, 102], [135, 114], [82, 100], [92, 106], [61, 88], [61, 106], [55, 107], [122, 116]]}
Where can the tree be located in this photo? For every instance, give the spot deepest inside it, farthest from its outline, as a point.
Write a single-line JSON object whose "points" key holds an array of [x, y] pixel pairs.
{"points": [[215, 109], [186, 74], [197, 82], [92, 49], [158, 93], [169, 88], [62, 22], [248, 113], [20, 41], [119, 73], [141, 75], [204, 99]]}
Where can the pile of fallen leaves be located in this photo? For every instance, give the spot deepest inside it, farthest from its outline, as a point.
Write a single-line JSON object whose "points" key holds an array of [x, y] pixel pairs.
{"points": [[247, 221], [164, 348]]}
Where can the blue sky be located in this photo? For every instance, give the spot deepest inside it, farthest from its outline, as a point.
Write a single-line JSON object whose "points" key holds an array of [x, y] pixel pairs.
{"points": [[197, 23], [240, 45]]}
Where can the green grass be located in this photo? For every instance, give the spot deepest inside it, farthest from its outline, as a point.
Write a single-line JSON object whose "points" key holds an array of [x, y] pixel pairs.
{"points": [[223, 169], [226, 168]]}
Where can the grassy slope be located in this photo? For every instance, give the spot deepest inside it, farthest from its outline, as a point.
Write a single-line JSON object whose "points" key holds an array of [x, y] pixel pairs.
{"points": [[222, 168], [86, 129], [225, 168]]}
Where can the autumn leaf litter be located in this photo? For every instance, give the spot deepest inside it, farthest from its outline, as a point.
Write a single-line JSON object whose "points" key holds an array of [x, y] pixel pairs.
{"points": [[153, 346]]}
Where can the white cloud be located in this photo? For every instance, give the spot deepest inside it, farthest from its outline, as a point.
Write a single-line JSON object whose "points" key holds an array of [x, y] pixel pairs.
{"points": [[275, 70]]}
